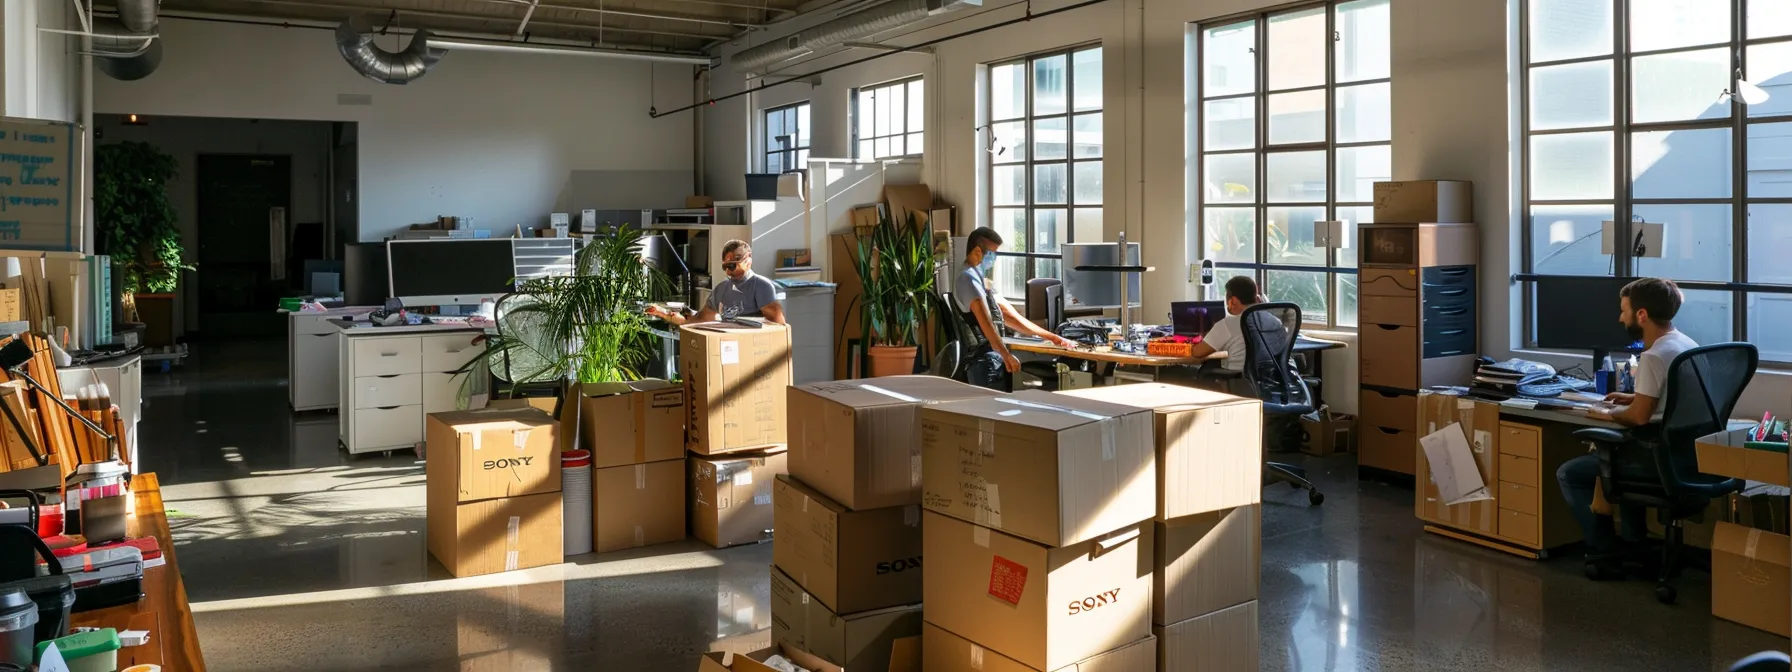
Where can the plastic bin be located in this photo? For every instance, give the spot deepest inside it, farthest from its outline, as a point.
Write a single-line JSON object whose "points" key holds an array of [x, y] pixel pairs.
{"points": [[95, 651], [18, 627], [55, 598]]}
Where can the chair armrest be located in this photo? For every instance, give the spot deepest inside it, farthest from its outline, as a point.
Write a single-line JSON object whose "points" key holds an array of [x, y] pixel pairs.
{"points": [[1601, 435], [1214, 369]]}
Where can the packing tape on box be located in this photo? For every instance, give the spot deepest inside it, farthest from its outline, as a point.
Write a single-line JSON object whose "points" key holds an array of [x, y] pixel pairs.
{"points": [[640, 477], [989, 513], [476, 441], [1109, 425], [914, 467], [520, 438], [640, 536], [637, 422], [976, 657], [980, 536], [911, 514], [888, 393], [511, 534], [986, 438]]}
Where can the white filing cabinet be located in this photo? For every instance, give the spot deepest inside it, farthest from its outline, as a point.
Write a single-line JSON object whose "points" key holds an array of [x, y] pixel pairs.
{"points": [[392, 378], [311, 362], [810, 312]]}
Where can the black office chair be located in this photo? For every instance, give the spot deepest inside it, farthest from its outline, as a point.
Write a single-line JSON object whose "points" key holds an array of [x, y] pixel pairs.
{"points": [[1703, 386], [1765, 661], [949, 362], [1270, 330]]}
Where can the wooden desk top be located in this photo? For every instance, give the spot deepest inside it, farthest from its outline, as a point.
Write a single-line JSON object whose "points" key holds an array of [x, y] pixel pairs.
{"points": [[1046, 348], [1567, 415], [163, 611]]}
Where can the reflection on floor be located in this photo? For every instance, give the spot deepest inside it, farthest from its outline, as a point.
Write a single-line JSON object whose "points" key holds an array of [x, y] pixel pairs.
{"points": [[300, 558]]}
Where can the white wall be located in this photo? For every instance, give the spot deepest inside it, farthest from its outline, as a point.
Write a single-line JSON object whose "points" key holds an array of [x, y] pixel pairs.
{"points": [[307, 143], [488, 136], [1451, 106], [41, 70]]}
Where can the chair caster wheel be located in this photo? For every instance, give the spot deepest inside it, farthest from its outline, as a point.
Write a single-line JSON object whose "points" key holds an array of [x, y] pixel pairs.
{"points": [[1665, 594], [1315, 497]]}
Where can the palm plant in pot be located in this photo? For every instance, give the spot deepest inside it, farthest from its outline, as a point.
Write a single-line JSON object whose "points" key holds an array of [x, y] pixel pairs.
{"points": [[895, 265], [587, 327]]}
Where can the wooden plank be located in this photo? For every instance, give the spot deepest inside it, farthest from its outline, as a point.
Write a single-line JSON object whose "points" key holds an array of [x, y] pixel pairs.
{"points": [[164, 593]]}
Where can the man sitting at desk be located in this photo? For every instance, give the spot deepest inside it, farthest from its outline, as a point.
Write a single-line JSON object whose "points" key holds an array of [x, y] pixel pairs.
{"points": [[1228, 334], [743, 294], [987, 359], [1647, 308]]}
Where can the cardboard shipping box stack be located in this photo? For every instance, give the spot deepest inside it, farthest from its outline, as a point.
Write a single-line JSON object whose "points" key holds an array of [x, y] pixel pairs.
{"points": [[492, 489], [1751, 562], [1037, 534], [850, 509], [635, 432], [731, 496], [1208, 529], [734, 381]]}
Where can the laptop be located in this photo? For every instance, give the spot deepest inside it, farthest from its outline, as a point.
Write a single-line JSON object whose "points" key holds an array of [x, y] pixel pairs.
{"points": [[1195, 318]]}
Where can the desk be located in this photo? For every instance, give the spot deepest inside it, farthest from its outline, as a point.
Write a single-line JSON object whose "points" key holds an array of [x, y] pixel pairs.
{"points": [[1106, 356], [163, 611]]}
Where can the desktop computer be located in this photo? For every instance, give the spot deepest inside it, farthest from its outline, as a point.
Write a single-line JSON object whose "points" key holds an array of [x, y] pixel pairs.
{"points": [[1581, 313]]}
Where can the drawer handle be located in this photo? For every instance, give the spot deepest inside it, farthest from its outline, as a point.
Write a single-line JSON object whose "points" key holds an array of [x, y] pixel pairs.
{"points": [[390, 375], [1387, 327], [1452, 271], [1452, 311], [1452, 292], [1387, 395], [388, 354], [1450, 353], [1387, 430], [388, 408], [323, 335]]}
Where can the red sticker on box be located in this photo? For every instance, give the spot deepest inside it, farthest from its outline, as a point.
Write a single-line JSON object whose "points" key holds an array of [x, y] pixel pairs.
{"points": [[1007, 580]]}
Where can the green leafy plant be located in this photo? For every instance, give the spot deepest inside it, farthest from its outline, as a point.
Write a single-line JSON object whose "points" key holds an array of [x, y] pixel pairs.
{"points": [[136, 224], [588, 327], [895, 265]]}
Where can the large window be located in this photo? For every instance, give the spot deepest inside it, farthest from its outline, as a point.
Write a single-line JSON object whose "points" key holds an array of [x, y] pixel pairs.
{"points": [[886, 119], [1294, 127], [787, 138], [1045, 148], [1628, 118]]}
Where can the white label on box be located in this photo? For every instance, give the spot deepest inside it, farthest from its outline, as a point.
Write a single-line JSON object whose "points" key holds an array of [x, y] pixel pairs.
{"points": [[476, 442], [730, 352], [521, 438]]}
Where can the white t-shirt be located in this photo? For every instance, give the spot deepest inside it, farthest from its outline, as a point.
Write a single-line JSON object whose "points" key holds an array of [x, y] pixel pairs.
{"points": [[1652, 365], [1228, 335]]}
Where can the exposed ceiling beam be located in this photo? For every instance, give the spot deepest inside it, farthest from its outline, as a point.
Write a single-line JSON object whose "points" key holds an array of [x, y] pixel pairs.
{"points": [[621, 12], [737, 5], [494, 18]]}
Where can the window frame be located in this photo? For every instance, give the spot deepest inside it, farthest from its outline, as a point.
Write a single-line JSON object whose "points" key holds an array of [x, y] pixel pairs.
{"points": [[1340, 266], [1033, 258], [1623, 129], [858, 117], [794, 154]]}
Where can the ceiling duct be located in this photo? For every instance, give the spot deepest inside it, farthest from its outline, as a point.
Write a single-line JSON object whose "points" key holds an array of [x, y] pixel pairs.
{"points": [[354, 38], [127, 48], [869, 21]]}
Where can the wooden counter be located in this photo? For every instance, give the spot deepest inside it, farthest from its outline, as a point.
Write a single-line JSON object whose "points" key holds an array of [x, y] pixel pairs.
{"points": [[163, 611]]}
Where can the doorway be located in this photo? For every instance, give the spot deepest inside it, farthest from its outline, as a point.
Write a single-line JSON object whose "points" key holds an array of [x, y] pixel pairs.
{"points": [[244, 207]]}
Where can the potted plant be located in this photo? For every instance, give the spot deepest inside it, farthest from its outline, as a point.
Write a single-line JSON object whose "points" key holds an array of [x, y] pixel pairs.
{"points": [[136, 224], [587, 327], [895, 264]]}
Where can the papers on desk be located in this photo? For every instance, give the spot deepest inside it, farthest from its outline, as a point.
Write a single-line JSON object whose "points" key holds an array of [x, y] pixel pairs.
{"points": [[1453, 466]]}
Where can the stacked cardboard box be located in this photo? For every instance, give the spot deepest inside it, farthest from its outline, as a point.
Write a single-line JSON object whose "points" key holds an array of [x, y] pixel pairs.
{"points": [[635, 432], [493, 490], [847, 574], [735, 428], [1207, 523], [1037, 534]]}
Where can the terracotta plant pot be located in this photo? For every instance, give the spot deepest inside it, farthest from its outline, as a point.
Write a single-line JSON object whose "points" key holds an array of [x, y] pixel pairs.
{"points": [[892, 361]]}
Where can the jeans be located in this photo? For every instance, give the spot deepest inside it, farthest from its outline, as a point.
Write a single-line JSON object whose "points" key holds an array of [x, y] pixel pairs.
{"points": [[984, 368], [1577, 477]]}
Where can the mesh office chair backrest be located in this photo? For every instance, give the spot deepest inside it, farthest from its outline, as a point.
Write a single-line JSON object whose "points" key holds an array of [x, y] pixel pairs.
{"points": [[1270, 330], [1703, 387]]}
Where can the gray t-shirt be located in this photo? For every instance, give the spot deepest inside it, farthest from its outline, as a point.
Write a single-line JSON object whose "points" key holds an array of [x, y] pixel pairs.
{"points": [[969, 287], [1652, 365], [746, 296]]}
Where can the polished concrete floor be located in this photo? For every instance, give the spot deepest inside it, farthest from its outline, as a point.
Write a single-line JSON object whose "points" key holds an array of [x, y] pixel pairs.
{"points": [[298, 557]]}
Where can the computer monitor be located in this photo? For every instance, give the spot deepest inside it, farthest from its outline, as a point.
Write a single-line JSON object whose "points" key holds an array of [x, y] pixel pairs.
{"points": [[446, 272], [1581, 313], [1195, 318]]}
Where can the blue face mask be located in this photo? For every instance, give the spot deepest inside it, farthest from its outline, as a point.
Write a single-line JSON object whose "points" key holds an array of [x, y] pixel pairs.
{"points": [[989, 262]]}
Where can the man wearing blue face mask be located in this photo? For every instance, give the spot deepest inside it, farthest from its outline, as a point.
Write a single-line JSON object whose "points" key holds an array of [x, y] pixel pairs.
{"points": [[988, 362]]}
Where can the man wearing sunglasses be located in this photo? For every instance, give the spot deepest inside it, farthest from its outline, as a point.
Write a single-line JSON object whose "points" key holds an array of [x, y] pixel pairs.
{"points": [[743, 294]]}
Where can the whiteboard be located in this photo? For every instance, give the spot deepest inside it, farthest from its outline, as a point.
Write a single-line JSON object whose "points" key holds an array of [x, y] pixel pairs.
{"points": [[37, 184]]}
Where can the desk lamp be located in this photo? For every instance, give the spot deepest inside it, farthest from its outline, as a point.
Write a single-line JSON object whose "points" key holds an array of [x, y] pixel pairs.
{"points": [[13, 358]]}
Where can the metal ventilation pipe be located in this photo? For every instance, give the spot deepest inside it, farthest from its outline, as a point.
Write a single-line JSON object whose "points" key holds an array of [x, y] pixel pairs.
{"points": [[870, 21], [354, 38], [127, 48], [139, 16]]}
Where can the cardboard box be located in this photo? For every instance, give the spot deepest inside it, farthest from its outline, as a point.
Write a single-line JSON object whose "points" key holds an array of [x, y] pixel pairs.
{"points": [[1206, 563], [631, 423], [731, 497], [859, 442], [492, 453], [851, 561], [1225, 641], [1723, 454], [9, 305], [494, 535], [858, 641], [1424, 202], [1042, 607], [734, 380], [943, 651], [637, 505], [905, 656], [908, 203], [566, 414], [1328, 435], [1209, 445], [1480, 424], [1763, 506], [1052, 468], [1751, 578]]}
